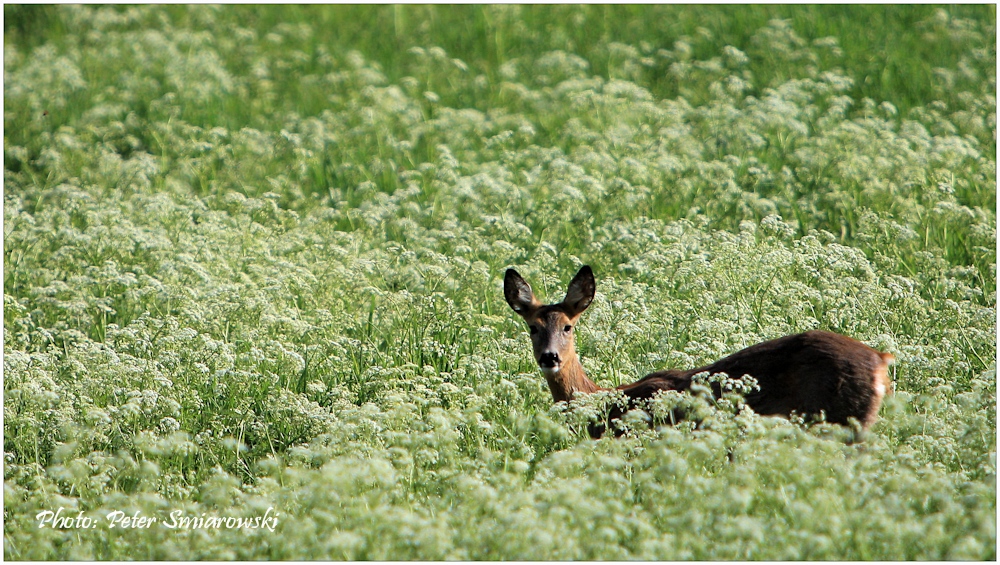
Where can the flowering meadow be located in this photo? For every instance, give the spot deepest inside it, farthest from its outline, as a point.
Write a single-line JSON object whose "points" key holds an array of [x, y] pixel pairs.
{"points": [[253, 265]]}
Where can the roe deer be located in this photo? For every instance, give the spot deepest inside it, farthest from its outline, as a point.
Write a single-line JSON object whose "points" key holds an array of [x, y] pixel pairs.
{"points": [[809, 373]]}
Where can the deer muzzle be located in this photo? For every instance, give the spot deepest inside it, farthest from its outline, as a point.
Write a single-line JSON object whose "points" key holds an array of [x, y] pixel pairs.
{"points": [[549, 361]]}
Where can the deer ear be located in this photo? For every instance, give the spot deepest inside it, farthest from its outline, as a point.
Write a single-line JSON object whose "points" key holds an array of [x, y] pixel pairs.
{"points": [[518, 292], [581, 292]]}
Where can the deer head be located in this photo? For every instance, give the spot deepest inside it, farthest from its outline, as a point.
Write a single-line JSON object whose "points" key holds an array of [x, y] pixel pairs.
{"points": [[551, 326]]}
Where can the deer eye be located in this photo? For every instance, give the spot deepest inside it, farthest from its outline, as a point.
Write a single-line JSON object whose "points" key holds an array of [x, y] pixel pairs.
{"points": [[533, 330], [567, 328]]}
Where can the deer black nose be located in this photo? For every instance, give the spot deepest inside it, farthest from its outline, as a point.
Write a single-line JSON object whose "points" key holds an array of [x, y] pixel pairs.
{"points": [[548, 360]]}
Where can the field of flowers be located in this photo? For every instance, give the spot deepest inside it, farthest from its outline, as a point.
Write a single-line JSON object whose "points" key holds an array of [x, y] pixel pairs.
{"points": [[253, 264]]}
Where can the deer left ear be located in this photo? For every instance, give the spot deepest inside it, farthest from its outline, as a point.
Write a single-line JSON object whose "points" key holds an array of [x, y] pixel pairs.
{"points": [[517, 292], [581, 292]]}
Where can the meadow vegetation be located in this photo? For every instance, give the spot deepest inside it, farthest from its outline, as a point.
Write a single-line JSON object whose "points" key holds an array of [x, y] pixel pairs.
{"points": [[253, 258]]}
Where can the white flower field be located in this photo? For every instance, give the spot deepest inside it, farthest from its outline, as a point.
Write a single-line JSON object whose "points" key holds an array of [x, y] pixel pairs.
{"points": [[254, 261]]}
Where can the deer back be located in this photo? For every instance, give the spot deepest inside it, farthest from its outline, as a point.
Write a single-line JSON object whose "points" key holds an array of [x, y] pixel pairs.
{"points": [[808, 373]]}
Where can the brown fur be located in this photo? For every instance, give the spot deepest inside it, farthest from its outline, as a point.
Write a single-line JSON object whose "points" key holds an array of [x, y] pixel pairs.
{"points": [[811, 373]]}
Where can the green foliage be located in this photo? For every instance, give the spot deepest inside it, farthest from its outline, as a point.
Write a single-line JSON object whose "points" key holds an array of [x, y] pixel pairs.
{"points": [[253, 259]]}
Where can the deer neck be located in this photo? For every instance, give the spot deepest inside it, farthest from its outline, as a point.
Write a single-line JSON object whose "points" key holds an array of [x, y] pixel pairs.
{"points": [[569, 380]]}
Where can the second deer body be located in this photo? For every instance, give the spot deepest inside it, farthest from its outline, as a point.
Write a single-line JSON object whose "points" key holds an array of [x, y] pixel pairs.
{"points": [[812, 373]]}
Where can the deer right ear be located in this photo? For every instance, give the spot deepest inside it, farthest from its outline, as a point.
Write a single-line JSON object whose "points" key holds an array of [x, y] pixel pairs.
{"points": [[518, 292], [581, 291]]}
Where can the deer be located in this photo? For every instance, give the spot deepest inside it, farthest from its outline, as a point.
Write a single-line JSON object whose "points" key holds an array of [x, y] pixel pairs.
{"points": [[813, 374]]}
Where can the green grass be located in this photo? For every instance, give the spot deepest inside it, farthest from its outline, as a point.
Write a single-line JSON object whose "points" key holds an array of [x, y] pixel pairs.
{"points": [[892, 52], [253, 259]]}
